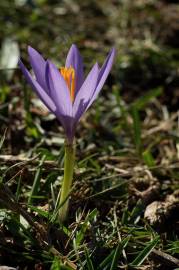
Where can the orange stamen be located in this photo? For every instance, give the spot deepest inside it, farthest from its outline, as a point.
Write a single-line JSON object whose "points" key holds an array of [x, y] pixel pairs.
{"points": [[69, 76]]}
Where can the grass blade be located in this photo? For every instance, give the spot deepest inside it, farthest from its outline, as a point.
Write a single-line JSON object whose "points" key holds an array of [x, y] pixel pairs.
{"points": [[136, 129], [81, 233], [36, 183], [141, 102], [88, 261], [148, 158], [103, 265], [3, 138], [118, 252], [144, 253]]}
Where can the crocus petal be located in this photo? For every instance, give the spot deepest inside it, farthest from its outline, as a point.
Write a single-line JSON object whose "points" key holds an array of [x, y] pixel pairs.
{"points": [[75, 60], [38, 65], [38, 89], [68, 125], [104, 72], [59, 91], [84, 94]]}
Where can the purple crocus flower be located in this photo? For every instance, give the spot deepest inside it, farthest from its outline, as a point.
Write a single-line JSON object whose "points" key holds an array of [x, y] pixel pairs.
{"points": [[64, 91]]}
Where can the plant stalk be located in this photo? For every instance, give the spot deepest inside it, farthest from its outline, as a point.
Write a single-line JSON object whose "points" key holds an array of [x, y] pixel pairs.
{"points": [[67, 181]]}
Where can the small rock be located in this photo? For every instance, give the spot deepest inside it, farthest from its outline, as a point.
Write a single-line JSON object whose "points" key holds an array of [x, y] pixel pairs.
{"points": [[153, 212], [158, 213], [3, 267]]}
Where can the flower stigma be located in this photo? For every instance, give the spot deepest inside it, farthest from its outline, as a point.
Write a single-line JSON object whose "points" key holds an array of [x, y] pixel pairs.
{"points": [[69, 76]]}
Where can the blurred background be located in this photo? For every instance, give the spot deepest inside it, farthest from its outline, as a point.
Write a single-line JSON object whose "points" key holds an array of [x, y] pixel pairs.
{"points": [[144, 32]]}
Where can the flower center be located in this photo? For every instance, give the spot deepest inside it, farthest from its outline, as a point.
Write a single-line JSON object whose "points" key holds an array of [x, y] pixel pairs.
{"points": [[69, 76]]}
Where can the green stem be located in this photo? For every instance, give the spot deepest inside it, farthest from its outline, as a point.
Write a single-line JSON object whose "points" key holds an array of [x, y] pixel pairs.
{"points": [[67, 181]]}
